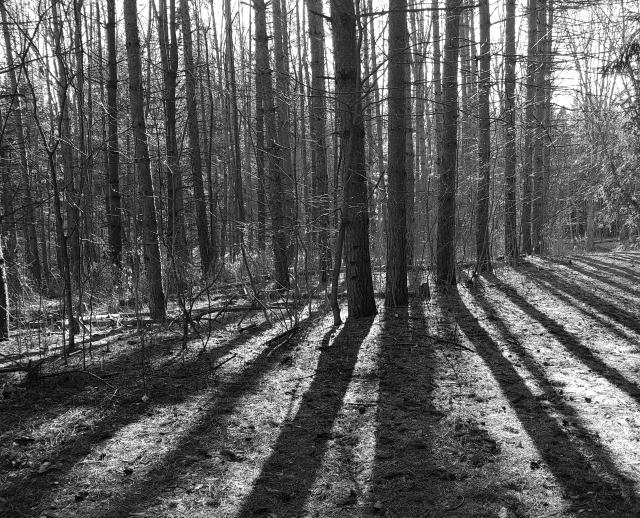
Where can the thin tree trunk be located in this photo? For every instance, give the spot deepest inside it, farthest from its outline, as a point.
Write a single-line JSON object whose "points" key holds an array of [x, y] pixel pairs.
{"points": [[194, 141], [355, 216], [275, 181], [151, 247], [530, 130], [114, 202], [537, 206], [446, 247], [69, 189], [510, 216], [483, 250], [396, 293], [318, 115]]}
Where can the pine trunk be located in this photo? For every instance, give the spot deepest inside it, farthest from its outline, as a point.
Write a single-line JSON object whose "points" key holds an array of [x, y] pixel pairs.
{"points": [[350, 125], [151, 247], [396, 293], [446, 246], [483, 251], [194, 141], [510, 208]]}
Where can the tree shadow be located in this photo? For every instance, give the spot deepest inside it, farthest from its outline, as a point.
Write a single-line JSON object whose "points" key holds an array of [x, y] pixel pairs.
{"points": [[589, 313], [615, 269], [288, 474], [404, 469], [577, 461], [569, 341], [607, 280], [124, 411], [615, 313]]}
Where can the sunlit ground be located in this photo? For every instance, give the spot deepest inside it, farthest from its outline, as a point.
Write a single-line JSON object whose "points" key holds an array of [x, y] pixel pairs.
{"points": [[517, 397]]}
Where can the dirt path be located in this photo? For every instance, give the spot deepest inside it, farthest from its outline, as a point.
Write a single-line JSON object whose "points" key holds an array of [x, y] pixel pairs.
{"points": [[517, 396]]}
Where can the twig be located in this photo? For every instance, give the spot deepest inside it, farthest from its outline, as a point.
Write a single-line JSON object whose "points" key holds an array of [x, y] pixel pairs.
{"points": [[218, 365]]}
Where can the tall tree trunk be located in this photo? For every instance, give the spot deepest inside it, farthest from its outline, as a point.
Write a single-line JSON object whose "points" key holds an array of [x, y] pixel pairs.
{"points": [[176, 234], [82, 157], [510, 215], [537, 206], [281, 59], [396, 293], [194, 141], [530, 129], [318, 115], [274, 172], [151, 247], [32, 255], [350, 123], [446, 247], [114, 202], [483, 250], [66, 148]]}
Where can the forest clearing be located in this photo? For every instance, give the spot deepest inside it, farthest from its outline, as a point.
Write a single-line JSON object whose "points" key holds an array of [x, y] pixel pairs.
{"points": [[515, 397]]}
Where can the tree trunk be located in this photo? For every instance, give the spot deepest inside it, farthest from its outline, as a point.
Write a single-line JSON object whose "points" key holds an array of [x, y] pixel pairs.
{"points": [[483, 250], [318, 115], [530, 130], [537, 206], [194, 141], [151, 248], [396, 293], [69, 189], [350, 124], [446, 247], [510, 210], [113, 202], [275, 181], [32, 255]]}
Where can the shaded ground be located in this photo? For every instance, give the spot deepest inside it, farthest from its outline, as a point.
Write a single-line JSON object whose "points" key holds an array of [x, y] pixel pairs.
{"points": [[516, 396]]}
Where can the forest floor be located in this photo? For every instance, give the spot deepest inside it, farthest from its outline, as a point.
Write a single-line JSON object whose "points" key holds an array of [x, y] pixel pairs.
{"points": [[515, 396]]}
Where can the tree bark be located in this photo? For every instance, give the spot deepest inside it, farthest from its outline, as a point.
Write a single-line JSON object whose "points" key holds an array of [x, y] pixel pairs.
{"points": [[483, 250], [318, 115], [194, 142], [537, 206], [350, 124], [446, 246], [396, 292], [113, 202], [530, 129], [510, 209], [151, 247], [274, 172]]}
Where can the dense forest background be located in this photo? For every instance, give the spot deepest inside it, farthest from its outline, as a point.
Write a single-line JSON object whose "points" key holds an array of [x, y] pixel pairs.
{"points": [[161, 149]]}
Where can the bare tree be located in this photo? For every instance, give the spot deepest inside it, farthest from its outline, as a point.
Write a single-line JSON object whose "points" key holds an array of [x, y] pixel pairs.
{"points": [[151, 247], [350, 129], [396, 293], [446, 247], [483, 250]]}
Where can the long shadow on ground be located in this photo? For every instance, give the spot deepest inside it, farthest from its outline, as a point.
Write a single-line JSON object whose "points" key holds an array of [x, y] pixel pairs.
{"points": [[568, 459], [288, 474], [119, 413], [569, 341], [617, 270], [610, 279], [404, 470], [612, 311]]}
